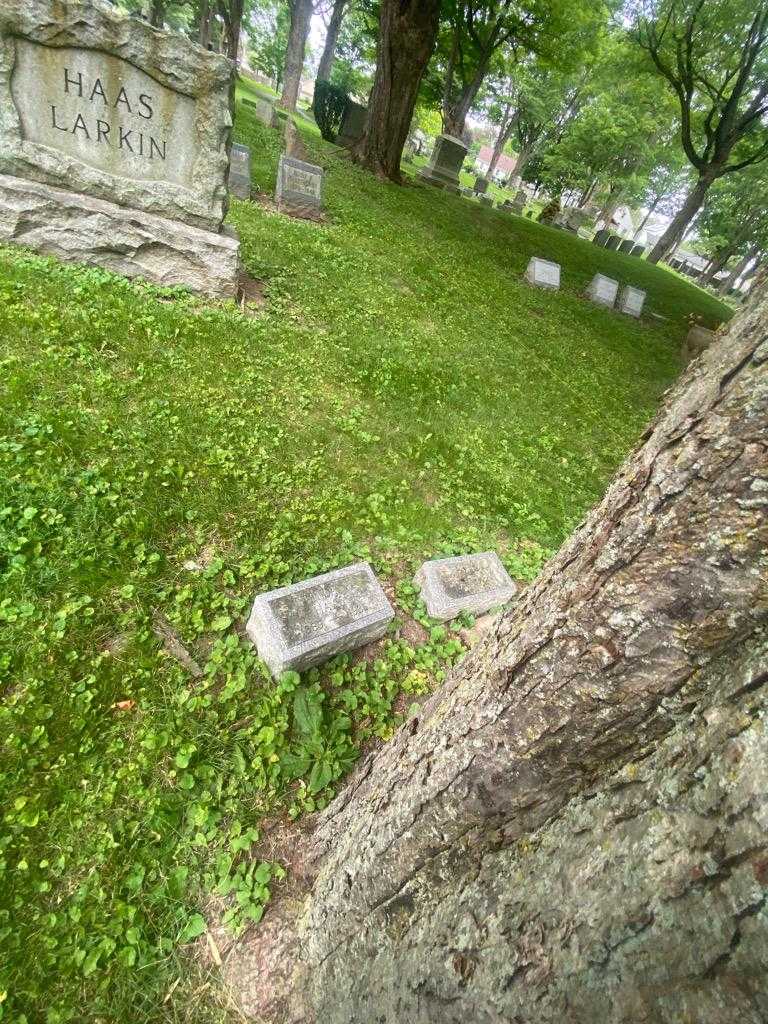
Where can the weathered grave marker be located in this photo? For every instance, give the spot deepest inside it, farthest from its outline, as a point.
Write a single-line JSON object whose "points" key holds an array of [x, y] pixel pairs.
{"points": [[264, 111], [637, 250], [626, 246], [697, 340], [485, 200], [543, 273], [299, 187], [612, 242], [113, 144], [240, 171], [297, 627], [481, 184], [601, 237], [603, 290], [352, 125], [631, 300], [445, 163], [471, 583]]}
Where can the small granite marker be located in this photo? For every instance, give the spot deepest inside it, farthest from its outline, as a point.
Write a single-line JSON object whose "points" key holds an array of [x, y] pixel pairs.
{"points": [[445, 163], [297, 627], [603, 290], [543, 273], [240, 171], [352, 125], [467, 583], [299, 187], [264, 111], [631, 300]]}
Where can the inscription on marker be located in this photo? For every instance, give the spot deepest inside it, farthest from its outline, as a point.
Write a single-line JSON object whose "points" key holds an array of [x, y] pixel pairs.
{"points": [[103, 111]]}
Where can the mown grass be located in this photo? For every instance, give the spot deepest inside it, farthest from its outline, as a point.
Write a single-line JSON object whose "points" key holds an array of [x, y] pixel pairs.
{"points": [[402, 394]]}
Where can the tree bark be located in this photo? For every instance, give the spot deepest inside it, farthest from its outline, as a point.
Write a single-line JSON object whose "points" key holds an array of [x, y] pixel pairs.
{"points": [[157, 16], [725, 286], [204, 25], [507, 126], [331, 39], [611, 205], [682, 219], [455, 113], [716, 264], [407, 34], [301, 15], [573, 827], [587, 194], [648, 213]]}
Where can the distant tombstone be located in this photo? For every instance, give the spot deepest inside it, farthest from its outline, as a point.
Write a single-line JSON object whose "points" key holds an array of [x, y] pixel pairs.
{"points": [[612, 242], [299, 187], [264, 111], [113, 144], [519, 201], [543, 273], [295, 628], [631, 300], [445, 163], [637, 250], [485, 200], [627, 245], [481, 184], [602, 290], [240, 171], [352, 125], [697, 340], [467, 583]]}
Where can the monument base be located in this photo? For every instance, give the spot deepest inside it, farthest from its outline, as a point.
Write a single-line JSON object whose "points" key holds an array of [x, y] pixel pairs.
{"points": [[81, 229], [447, 182], [445, 164]]}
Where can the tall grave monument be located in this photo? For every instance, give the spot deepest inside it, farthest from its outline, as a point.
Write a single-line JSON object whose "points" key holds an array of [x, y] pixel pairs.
{"points": [[114, 144]]}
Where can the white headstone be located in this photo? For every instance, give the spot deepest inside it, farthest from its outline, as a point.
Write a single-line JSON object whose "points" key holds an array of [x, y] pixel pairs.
{"points": [[603, 290], [631, 300], [472, 583], [543, 273], [297, 627]]}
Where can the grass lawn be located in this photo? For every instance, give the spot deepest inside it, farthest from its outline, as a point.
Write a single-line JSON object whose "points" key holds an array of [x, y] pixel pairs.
{"points": [[401, 394]]}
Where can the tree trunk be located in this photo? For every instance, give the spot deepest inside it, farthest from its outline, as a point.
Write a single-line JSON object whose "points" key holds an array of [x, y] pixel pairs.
{"points": [[204, 26], [611, 205], [573, 827], [301, 15], [407, 33], [455, 113], [674, 233], [725, 286], [588, 193], [507, 126], [522, 160], [331, 39], [157, 17], [644, 221], [716, 264]]}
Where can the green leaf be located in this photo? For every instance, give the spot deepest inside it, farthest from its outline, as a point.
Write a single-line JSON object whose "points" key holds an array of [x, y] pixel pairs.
{"points": [[195, 926], [322, 774], [307, 713], [221, 622]]}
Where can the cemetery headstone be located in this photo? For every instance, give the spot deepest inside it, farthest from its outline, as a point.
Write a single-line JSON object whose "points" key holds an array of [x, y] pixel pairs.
{"points": [[264, 111], [697, 340], [471, 583], [352, 125], [295, 628], [240, 171], [113, 144], [444, 165], [299, 187], [543, 273], [603, 290], [612, 242], [481, 184], [485, 200], [637, 250], [626, 245], [631, 300], [601, 237]]}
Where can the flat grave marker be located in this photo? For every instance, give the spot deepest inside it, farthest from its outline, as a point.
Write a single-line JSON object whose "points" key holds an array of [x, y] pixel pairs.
{"points": [[631, 300], [543, 273], [603, 290], [471, 583], [240, 171], [299, 187], [297, 627]]}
